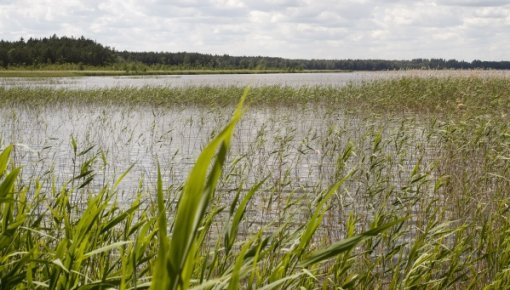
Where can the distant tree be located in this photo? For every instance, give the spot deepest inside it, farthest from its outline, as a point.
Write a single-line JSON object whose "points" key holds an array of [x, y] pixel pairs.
{"points": [[55, 50], [83, 51]]}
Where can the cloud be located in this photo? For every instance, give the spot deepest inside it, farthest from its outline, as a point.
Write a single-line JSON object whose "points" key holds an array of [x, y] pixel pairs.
{"points": [[395, 29], [474, 3]]}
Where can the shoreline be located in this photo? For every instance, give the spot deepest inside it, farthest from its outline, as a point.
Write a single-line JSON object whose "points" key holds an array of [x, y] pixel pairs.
{"points": [[87, 73]]}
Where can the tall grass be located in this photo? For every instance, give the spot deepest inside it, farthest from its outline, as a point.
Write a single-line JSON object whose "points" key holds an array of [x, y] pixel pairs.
{"points": [[398, 195], [445, 95]]}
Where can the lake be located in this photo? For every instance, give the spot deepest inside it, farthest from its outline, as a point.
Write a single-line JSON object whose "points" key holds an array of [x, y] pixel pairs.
{"points": [[283, 79], [295, 144], [434, 152]]}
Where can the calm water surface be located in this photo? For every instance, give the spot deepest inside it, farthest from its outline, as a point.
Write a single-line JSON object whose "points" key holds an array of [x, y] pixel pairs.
{"points": [[285, 79], [302, 79]]}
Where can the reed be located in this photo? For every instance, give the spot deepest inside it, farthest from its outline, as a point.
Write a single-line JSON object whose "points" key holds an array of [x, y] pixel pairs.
{"points": [[383, 185]]}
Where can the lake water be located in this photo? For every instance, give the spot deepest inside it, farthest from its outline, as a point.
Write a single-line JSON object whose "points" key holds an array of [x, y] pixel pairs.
{"points": [[297, 149], [175, 136], [254, 80]]}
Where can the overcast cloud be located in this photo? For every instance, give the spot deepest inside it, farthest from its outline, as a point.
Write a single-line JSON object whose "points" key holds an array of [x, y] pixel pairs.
{"points": [[388, 29]]}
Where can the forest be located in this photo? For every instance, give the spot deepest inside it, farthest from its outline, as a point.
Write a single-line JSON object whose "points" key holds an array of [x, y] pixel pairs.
{"points": [[37, 53]]}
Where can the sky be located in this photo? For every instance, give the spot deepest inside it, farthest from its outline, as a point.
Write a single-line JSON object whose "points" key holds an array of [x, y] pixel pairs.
{"points": [[321, 29]]}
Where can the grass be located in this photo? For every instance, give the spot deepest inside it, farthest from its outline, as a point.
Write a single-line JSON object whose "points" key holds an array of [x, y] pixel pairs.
{"points": [[386, 185], [454, 95]]}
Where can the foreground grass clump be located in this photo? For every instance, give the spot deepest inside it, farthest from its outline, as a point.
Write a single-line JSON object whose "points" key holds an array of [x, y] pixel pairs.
{"points": [[354, 188]]}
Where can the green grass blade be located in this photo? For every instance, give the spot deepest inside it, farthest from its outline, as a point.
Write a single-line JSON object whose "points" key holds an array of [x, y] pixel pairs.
{"points": [[236, 272], [106, 248], [160, 277], [121, 177], [344, 245], [239, 214], [8, 183], [279, 282], [119, 218], [4, 159], [318, 214], [197, 192]]}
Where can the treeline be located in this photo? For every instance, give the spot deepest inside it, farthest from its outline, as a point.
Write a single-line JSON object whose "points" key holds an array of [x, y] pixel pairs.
{"points": [[200, 60], [55, 50], [197, 60], [65, 50]]}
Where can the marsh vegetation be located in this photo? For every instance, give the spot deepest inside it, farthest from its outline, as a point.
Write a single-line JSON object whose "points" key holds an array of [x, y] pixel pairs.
{"points": [[389, 184]]}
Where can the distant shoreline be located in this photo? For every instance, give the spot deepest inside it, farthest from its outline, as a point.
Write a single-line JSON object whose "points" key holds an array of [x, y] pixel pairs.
{"points": [[44, 73], [83, 73]]}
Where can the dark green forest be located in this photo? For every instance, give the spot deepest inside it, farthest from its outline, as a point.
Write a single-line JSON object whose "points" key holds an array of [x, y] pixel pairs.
{"points": [[55, 50], [70, 50]]}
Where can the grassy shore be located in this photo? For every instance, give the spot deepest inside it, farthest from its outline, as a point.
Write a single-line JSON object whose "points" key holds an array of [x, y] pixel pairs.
{"points": [[406, 185]]}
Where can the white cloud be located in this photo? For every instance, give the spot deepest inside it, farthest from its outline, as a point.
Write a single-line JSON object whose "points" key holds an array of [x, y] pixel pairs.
{"points": [[474, 3], [395, 29]]}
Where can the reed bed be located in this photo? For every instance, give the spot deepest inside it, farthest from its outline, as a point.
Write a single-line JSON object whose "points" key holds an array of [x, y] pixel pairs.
{"points": [[414, 94], [391, 184]]}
